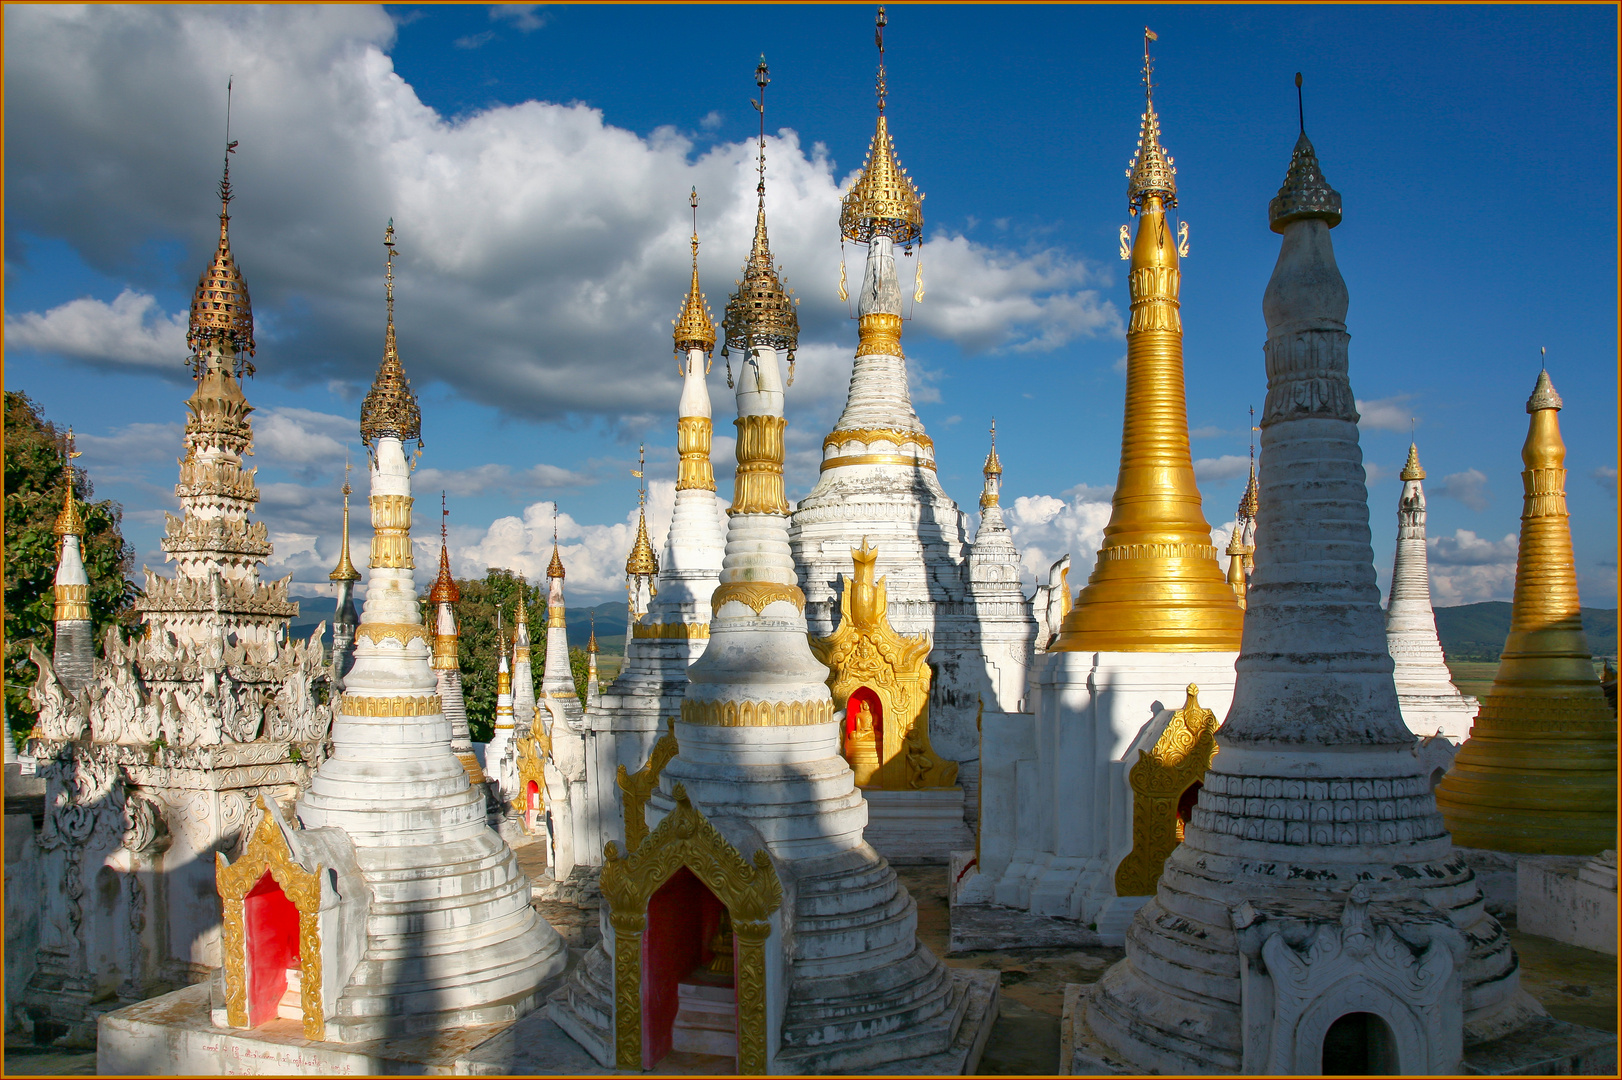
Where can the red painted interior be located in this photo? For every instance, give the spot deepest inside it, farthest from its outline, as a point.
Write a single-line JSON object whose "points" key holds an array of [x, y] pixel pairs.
{"points": [[270, 923], [853, 705], [683, 916]]}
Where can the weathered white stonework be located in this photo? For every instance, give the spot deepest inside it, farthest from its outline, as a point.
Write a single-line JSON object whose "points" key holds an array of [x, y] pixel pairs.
{"points": [[1315, 879]]}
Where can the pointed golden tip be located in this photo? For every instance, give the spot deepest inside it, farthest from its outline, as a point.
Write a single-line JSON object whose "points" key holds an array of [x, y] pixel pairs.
{"points": [[642, 561], [554, 569], [884, 201], [1411, 469]]}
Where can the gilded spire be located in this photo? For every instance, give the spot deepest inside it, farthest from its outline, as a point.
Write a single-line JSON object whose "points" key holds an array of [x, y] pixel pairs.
{"points": [[591, 642], [642, 561], [1538, 773], [884, 201], [70, 522], [1305, 194], [1156, 585], [993, 465], [554, 569], [1151, 171], [220, 311], [761, 312], [345, 571], [1411, 469], [390, 408], [445, 590], [694, 329]]}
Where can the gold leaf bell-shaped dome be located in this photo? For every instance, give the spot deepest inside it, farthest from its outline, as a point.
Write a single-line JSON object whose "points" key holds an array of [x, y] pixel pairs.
{"points": [[884, 201], [220, 309], [694, 329], [1151, 170], [761, 312], [390, 408], [1411, 469], [445, 590], [642, 561], [554, 569]]}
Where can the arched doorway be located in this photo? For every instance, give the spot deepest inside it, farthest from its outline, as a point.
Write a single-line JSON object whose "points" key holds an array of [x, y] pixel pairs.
{"points": [[271, 924], [1359, 1044], [689, 999], [532, 804], [864, 734]]}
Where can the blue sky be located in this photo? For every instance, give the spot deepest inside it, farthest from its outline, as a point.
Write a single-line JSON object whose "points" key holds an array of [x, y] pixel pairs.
{"points": [[536, 161]]}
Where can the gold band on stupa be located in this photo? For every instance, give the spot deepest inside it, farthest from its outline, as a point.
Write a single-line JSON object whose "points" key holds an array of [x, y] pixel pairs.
{"points": [[1538, 773], [1157, 585], [391, 532], [693, 469], [758, 484]]}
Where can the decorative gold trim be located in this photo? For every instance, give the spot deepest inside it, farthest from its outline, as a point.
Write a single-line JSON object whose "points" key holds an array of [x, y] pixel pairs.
{"points": [[72, 603], [872, 435], [759, 480], [865, 652], [757, 713], [879, 334], [692, 631], [750, 890], [378, 632], [694, 470], [532, 754], [877, 459], [268, 850], [638, 786], [391, 531], [1181, 756], [756, 594], [356, 705]]}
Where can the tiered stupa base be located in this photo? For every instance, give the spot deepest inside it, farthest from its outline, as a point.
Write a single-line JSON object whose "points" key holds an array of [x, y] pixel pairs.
{"points": [[1095, 712]]}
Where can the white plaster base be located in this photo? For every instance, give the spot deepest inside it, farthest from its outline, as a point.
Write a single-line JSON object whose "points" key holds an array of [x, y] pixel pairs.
{"points": [[912, 827], [1570, 899], [1542, 1046]]}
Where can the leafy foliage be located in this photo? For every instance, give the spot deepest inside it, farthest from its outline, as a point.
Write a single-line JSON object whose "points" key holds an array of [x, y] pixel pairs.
{"points": [[34, 490], [577, 668], [476, 643]]}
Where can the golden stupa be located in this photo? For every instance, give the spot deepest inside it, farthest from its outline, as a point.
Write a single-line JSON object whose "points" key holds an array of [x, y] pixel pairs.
{"points": [[1538, 773], [1157, 585]]}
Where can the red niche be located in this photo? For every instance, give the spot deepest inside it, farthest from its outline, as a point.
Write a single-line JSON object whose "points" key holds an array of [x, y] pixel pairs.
{"points": [[853, 708], [270, 922], [683, 917]]}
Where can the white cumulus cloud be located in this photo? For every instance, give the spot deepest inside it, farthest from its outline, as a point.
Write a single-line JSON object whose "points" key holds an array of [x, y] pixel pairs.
{"points": [[1386, 414], [1468, 487], [130, 331], [1467, 569]]}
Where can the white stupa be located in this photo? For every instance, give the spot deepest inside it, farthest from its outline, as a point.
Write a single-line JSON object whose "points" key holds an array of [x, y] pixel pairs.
{"points": [[448, 936], [1431, 704]]}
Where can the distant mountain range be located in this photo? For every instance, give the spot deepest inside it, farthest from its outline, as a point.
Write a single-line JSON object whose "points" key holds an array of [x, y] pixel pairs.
{"points": [[610, 623], [1477, 631], [1473, 632]]}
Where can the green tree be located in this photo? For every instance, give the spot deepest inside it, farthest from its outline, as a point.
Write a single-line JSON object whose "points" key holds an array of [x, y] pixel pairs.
{"points": [[476, 642], [34, 483]]}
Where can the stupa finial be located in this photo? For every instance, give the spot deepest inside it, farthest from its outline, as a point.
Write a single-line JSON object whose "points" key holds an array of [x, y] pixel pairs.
{"points": [[390, 408], [1151, 171]]}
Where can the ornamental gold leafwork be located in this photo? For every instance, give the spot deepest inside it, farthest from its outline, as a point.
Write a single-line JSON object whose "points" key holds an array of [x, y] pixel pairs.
{"points": [[638, 786], [1179, 758], [866, 654], [750, 891], [269, 852], [533, 751]]}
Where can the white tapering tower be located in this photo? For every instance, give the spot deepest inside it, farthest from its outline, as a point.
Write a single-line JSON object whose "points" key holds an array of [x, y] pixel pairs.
{"points": [[442, 599], [1431, 704], [673, 633], [450, 938], [523, 669], [1315, 888], [74, 652]]}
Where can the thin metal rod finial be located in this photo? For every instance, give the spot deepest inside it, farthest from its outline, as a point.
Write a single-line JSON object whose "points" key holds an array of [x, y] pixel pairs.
{"points": [[1300, 108], [878, 38]]}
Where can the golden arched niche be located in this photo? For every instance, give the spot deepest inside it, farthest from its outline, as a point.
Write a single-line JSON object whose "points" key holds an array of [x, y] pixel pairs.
{"points": [[1160, 779], [749, 889], [268, 851], [888, 747]]}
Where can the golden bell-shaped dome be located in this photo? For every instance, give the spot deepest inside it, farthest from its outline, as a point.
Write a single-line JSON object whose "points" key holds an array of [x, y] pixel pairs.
{"points": [[884, 201], [554, 569], [642, 562], [220, 309], [70, 522], [1411, 469], [390, 408], [694, 328], [445, 590], [761, 312]]}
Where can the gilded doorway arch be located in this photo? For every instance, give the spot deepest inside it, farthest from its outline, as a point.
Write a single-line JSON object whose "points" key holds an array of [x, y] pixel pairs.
{"points": [[749, 889], [1160, 780], [269, 855]]}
